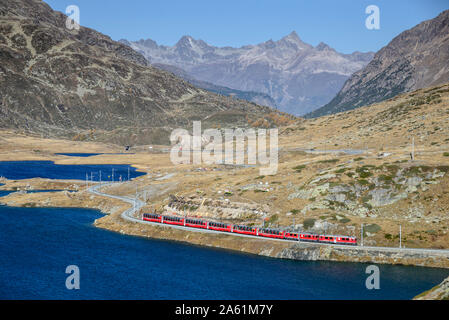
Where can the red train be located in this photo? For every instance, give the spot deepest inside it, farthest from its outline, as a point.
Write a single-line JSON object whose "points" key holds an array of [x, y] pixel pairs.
{"points": [[254, 231]]}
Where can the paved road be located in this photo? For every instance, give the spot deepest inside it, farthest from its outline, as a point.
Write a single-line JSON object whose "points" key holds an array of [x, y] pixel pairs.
{"points": [[138, 204]]}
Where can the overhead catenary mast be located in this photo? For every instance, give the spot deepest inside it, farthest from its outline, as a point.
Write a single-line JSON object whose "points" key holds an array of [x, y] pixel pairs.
{"points": [[362, 235]]}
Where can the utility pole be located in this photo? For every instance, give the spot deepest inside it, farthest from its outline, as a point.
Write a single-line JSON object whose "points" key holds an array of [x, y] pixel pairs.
{"points": [[400, 236], [362, 234]]}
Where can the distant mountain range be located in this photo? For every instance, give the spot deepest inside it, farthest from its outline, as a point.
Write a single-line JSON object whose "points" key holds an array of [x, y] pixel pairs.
{"points": [[256, 97], [60, 82], [415, 59], [299, 77]]}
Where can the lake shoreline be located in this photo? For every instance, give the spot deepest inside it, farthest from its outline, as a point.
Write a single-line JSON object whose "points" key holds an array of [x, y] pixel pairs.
{"points": [[157, 263], [113, 221], [275, 249]]}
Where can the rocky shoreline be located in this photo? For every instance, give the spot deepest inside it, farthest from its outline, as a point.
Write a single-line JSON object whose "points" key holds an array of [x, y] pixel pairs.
{"points": [[439, 292]]}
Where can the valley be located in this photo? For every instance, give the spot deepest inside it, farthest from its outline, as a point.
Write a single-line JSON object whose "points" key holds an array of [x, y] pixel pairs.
{"points": [[320, 191]]}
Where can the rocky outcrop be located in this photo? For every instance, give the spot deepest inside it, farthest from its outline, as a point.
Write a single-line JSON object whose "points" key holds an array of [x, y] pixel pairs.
{"points": [[416, 58], [368, 187], [217, 209]]}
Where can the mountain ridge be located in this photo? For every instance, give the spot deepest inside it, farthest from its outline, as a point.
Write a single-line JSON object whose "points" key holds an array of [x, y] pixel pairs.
{"points": [[297, 75], [256, 97], [414, 59]]}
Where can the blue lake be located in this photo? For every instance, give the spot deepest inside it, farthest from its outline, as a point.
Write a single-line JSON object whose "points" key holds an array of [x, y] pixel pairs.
{"points": [[37, 244], [85, 155], [16, 170]]}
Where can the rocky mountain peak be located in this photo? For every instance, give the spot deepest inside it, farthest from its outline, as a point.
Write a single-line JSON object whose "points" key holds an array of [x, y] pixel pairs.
{"points": [[148, 43], [293, 41], [185, 41], [323, 47]]}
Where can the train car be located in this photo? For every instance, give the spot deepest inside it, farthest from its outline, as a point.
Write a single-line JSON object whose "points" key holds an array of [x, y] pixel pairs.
{"points": [[195, 223], [347, 240], [271, 233], [291, 236], [338, 239], [218, 226], [309, 237], [153, 217], [178, 221], [244, 230], [327, 239]]}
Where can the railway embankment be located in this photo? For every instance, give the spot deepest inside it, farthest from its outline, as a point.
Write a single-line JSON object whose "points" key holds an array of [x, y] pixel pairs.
{"points": [[415, 257], [279, 249], [128, 224]]}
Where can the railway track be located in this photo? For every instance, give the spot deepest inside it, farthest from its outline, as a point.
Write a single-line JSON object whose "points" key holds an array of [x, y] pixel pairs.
{"points": [[138, 204]]}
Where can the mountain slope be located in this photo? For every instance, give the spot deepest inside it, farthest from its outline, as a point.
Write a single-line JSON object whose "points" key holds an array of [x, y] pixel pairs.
{"points": [[61, 83], [416, 58], [256, 97], [298, 76]]}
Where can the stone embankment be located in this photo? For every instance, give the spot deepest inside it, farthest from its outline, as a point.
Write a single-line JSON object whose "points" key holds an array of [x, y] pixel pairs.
{"points": [[416, 257]]}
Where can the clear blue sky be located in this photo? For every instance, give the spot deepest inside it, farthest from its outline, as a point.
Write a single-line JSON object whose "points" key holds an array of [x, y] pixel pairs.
{"points": [[339, 23]]}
